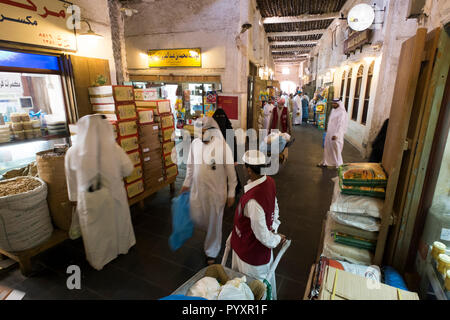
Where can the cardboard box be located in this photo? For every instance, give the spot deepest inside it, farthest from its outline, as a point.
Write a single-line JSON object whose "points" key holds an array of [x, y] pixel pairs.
{"points": [[135, 188], [110, 108], [136, 174], [167, 147], [151, 183], [149, 130], [171, 172], [165, 121], [123, 93], [151, 148], [135, 157], [145, 116], [127, 128], [158, 106], [126, 111], [146, 94], [169, 160], [166, 134], [152, 156], [129, 143], [342, 285]]}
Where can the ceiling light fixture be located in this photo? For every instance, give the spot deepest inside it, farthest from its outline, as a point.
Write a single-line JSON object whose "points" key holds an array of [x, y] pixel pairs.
{"points": [[89, 34]]}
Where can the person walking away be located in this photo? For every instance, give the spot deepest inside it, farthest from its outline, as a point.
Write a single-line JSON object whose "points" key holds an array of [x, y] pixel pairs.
{"points": [[280, 119], [95, 167], [211, 179], [268, 108], [378, 144], [256, 223], [334, 139], [305, 109], [297, 110]]}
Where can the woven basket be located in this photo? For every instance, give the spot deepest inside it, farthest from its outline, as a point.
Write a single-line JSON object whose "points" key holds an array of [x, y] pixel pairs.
{"points": [[24, 219], [50, 167]]}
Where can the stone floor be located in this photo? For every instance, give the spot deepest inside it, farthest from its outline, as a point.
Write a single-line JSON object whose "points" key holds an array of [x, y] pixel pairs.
{"points": [[151, 270]]}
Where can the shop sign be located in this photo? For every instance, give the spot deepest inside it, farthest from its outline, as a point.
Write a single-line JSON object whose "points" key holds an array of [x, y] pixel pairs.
{"points": [[10, 82], [38, 22], [175, 58], [229, 104], [356, 40]]}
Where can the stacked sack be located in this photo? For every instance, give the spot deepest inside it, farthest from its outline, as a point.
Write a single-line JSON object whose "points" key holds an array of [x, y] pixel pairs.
{"points": [[354, 219]]}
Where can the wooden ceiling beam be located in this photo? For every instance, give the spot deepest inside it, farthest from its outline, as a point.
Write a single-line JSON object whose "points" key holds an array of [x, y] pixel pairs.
{"points": [[292, 43], [302, 18], [292, 49], [296, 33]]}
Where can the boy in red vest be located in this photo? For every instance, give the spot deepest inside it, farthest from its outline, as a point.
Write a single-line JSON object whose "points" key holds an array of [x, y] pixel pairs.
{"points": [[281, 118], [256, 223]]}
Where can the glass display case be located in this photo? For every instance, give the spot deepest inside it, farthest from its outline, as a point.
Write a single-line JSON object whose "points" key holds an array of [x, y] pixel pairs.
{"points": [[33, 115]]}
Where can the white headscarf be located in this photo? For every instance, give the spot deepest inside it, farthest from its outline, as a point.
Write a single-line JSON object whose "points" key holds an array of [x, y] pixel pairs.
{"points": [[338, 122], [95, 153]]}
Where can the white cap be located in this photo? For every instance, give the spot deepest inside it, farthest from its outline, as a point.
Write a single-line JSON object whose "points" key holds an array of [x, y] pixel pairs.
{"points": [[254, 158]]}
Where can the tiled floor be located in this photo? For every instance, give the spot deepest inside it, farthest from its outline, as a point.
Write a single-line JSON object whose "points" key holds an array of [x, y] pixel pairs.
{"points": [[151, 270]]}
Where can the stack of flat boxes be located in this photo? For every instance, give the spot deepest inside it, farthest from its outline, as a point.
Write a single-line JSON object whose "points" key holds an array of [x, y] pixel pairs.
{"points": [[117, 104], [150, 144]]}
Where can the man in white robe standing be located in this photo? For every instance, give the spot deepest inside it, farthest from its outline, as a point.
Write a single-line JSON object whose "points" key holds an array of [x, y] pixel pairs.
{"points": [[256, 223], [268, 108], [334, 139], [297, 110], [95, 167], [211, 179]]}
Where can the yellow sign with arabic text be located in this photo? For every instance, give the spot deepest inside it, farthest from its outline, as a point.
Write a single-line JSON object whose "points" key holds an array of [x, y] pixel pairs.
{"points": [[175, 58]]}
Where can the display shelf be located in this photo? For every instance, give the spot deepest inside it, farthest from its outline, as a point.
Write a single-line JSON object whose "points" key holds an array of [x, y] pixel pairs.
{"points": [[24, 257], [140, 198], [43, 138]]}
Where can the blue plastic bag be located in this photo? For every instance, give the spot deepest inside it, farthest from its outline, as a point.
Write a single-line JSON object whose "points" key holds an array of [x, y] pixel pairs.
{"points": [[182, 226], [393, 278]]}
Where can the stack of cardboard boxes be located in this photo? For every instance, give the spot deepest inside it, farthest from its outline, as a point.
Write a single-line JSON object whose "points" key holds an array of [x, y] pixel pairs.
{"points": [[117, 104], [156, 128]]}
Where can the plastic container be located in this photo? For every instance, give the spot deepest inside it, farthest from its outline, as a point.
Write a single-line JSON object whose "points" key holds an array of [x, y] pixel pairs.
{"points": [[437, 225], [19, 135], [17, 126], [16, 117], [29, 134], [437, 249], [443, 264], [27, 125]]}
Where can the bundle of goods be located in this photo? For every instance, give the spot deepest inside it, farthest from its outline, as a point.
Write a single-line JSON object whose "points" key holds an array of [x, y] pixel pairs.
{"points": [[55, 126], [151, 149], [214, 283], [352, 227], [367, 179], [21, 127], [372, 273], [117, 104], [5, 133], [29, 170], [24, 216], [343, 285], [50, 166]]}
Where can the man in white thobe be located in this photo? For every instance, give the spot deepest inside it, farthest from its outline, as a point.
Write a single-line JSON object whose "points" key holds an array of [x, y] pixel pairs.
{"points": [[334, 140], [256, 223], [95, 167], [211, 179], [297, 110], [268, 108]]}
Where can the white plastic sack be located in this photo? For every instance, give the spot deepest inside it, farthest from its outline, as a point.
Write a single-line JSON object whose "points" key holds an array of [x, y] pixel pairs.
{"points": [[333, 250], [206, 287], [361, 222], [236, 289], [361, 205], [369, 272]]}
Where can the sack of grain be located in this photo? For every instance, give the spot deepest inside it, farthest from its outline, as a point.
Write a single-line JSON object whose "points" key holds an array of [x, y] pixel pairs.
{"points": [[363, 174], [50, 167], [24, 217]]}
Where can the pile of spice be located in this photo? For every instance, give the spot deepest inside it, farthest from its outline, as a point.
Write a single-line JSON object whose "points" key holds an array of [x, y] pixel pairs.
{"points": [[18, 186]]}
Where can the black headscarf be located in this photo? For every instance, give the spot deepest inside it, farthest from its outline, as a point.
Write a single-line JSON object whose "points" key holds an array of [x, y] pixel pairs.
{"points": [[378, 144], [224, 123]]}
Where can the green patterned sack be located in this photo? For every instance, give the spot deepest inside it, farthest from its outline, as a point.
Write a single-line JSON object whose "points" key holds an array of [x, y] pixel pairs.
{"points": [[363, 174], [376, 192]]}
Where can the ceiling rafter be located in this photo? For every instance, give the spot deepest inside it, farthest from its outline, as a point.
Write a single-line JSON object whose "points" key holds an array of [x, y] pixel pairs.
{"points": [[277, 43], [301, 18], [296, 33]]}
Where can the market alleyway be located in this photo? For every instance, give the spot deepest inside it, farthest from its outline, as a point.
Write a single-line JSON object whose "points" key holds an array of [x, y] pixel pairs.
{"points": [[151, 270]]}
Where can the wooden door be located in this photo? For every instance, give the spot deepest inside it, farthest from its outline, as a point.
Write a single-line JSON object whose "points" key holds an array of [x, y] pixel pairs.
{"points": [[405, 87], [85, 72], [429, 94]]}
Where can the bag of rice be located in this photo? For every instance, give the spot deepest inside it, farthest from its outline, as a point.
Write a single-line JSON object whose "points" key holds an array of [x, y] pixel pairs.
{"points": [[364, 223], [362, 205], [376, 192], [363, 174]]}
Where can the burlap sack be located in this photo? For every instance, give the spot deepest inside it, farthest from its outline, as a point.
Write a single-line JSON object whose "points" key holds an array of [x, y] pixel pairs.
{"points": [[50, 167]]}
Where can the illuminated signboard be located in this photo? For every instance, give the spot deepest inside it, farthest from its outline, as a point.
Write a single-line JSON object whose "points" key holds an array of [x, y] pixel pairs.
{"points": [[175, 58]]}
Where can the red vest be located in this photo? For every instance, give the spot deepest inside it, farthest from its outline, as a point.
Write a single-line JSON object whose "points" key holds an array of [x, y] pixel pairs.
{"points": [[243, 240], [284, 119]]}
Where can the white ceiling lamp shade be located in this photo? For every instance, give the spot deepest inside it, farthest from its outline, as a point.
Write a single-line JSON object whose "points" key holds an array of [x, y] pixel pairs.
{"points": [[361, 17]]}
